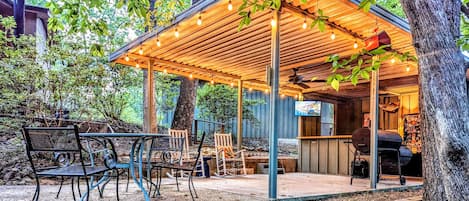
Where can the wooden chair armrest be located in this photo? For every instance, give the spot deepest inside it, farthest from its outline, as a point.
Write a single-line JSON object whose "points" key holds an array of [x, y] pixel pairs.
{"points": [[240, 151]]}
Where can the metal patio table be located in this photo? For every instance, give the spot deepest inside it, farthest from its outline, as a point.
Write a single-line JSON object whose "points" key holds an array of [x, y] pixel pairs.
{"points": [[139, 140]]}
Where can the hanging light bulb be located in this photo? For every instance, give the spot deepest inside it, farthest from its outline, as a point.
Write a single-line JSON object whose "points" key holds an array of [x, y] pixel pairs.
{"points": [[127, 58], [407, 68], [250, 89], [355, 45], [230, 6], [272, 22], [199, 20], [137, 65], [212, 81], [158, 43], [332, 35], [393, 60], [266, 91], [304, 24], [140, 51], [165, 71], [296, 96], [190, 76], [176, 33], [232, 84], [282, 95]]}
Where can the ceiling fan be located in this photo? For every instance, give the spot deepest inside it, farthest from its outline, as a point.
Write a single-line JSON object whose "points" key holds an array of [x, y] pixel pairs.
{"points": [[298, 79]]}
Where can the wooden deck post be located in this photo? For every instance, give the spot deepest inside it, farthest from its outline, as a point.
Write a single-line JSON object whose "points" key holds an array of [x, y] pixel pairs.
{"points": [[374, 98], [150, 121], [274, 104], [240, 115]]}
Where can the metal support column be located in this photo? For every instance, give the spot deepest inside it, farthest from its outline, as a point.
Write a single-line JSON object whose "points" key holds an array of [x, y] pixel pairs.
{"points": [[274, 105], [374, 99], [240, 115], [150, 109]]}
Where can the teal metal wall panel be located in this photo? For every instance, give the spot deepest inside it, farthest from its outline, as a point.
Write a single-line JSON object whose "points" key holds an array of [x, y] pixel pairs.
{"points": [[288, 121]]}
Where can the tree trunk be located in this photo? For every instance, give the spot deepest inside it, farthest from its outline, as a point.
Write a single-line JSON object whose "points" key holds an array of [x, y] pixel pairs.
{"points": [[184, 114], [443, 101], [18, 13]]}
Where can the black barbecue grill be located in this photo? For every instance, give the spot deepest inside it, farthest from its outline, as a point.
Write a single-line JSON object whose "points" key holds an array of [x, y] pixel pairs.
{"points": [[390, 151]]}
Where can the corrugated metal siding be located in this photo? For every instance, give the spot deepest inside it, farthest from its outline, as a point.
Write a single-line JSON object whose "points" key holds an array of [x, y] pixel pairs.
{"points": [[288, 121]]}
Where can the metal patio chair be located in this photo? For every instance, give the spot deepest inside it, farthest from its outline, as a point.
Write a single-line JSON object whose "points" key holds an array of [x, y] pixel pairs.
{"points": [[190, 167], [58, 152], [226, 154], [187, 155], [163, 152]]}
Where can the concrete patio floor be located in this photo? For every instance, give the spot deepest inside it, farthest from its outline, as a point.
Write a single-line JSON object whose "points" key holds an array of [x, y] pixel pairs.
{"points": [[297, 185], [250, 187]]}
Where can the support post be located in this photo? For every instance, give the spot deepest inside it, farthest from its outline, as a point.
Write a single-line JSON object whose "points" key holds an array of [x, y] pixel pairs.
{"points": [[274, 104], [150, 123], [374, 98], [240, 115], [19, 15]]}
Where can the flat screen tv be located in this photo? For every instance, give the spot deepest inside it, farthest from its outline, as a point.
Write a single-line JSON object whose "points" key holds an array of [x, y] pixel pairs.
{"points": [[308, 108]]}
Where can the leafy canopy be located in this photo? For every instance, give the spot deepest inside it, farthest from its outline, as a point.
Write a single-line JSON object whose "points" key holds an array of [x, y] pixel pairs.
{"points": [[217, 102]]}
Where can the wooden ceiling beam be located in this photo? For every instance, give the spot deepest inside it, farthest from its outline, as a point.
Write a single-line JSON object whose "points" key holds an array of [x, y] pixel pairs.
{"points": [[185, 67]]}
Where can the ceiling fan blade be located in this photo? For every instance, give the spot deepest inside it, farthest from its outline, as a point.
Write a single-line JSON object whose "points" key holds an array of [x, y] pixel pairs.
{"points": [[302, 85], [314, 81]]}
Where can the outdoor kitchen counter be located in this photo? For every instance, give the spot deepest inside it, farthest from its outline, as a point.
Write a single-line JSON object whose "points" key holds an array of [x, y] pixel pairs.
{"points": [[325, 154]]}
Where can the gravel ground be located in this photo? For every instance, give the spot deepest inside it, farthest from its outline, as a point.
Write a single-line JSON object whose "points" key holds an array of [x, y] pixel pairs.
{"points": [[168, 191], [410, 195]]}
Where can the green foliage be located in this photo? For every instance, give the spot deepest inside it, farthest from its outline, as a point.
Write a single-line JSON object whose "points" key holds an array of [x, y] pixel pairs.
{"points": [[167, 90], [366, 5], [99, 18], [359, 66], [394, 6], [17, 87], [320, 21], [249, 8], [65, 77], [219, 102]]}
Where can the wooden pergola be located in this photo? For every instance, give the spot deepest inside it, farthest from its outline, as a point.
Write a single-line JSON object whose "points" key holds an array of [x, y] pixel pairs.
{"points": [[216, 51]]}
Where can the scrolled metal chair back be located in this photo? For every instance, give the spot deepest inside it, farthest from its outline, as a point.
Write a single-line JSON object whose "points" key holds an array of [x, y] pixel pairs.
{"points": [[167, 149]]}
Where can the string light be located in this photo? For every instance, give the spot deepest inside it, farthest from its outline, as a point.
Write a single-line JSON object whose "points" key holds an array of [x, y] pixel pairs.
{"points": [[304, 24], [158, 43], [199, 20], [407, 68], [176, 33], [332, 35], [393, 60], [232, 84], [250, 89], [266, 91], [230, 6], [272, 22], [296, 96], [355, 45], [282, 95], [191, 76], [127, 58], [165, 71], [137, 65], [212, 81], [140, 51]]}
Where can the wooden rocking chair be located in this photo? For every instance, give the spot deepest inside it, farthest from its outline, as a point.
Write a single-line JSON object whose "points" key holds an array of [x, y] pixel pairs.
{"points": [[225, 154]]}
